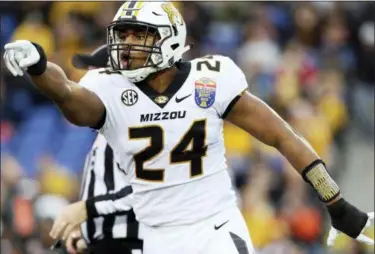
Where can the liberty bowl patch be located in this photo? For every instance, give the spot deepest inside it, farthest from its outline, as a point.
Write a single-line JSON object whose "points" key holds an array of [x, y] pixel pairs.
{"points": [[205, 92]]}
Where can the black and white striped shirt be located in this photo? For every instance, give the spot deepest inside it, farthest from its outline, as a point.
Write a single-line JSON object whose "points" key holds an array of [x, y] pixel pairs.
{"points": [[107, 193]]}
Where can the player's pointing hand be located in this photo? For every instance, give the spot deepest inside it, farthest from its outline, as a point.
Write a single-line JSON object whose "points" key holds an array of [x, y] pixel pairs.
{"points": [[19, 55]]}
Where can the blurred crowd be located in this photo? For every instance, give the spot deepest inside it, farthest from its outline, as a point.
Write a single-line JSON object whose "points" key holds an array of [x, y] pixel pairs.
{"points": [[312, 62]]}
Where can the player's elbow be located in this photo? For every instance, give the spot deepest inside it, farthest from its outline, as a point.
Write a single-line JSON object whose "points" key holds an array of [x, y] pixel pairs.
{"points": [[281, 143], [272, 135], [81, 117], [290, 141], [78, 121], [75, 118], [281, 139], [88, 113], [276, 142]]}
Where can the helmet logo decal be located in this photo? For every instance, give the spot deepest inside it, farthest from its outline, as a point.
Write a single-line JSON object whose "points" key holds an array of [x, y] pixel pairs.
{"points": [[173, 15], [130, 9]]}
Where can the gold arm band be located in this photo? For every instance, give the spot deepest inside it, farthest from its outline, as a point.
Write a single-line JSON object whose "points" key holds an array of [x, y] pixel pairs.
{"points": [[318, 177]]}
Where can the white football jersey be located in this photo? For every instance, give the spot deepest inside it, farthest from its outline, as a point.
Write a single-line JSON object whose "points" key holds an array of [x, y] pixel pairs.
{"points": [[171, 144]]}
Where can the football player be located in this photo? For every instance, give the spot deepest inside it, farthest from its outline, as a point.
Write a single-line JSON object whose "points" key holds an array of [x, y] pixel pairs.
{"points": [[164, 119]]}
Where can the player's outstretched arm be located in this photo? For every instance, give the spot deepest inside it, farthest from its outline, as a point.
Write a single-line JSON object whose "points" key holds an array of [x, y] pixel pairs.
{"points": [[78, 104], [257, 118]]}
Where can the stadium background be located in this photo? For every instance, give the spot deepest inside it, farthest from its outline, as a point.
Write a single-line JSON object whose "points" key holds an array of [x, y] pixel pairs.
{"points": [[312, 62]]}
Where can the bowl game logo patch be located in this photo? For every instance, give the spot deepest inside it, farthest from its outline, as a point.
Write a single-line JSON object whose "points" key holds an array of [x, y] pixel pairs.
{"points": [[205, 92]]}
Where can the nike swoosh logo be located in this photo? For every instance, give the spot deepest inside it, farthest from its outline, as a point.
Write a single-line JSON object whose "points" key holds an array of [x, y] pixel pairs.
{"points": [[218, 227], [157, 14], [181, 99]]}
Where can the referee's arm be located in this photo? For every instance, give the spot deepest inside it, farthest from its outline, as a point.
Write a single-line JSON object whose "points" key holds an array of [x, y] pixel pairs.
{"points": [[111, 203], [101, 205]]}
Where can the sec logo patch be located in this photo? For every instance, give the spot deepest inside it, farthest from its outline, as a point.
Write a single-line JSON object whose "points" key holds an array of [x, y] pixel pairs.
{"points": [[205, 92], [129, 97]]}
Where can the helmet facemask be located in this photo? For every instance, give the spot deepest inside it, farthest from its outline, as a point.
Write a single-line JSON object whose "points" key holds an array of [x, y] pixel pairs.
{"points": [[120, 52]]}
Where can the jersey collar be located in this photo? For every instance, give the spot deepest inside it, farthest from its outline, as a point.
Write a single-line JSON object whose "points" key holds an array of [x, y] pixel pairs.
{"points": [[162, 99]]}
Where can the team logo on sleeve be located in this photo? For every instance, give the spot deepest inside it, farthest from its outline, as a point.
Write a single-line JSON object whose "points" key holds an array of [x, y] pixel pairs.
{"points": [[205, 92]]}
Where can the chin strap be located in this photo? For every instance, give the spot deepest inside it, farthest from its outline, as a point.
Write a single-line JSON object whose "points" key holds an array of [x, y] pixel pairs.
{"points": [[179, 54], [150, 70]]}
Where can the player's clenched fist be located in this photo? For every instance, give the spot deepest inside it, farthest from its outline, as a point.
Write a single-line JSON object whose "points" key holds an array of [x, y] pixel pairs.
{"points": [[23, 55]]}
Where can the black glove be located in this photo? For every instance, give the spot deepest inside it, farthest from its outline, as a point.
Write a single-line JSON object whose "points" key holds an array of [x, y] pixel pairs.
{"points": [[347, 218]]}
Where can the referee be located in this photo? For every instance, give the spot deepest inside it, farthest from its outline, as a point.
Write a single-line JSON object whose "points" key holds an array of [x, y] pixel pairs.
{"points": [[115, 232], [111, 226]]}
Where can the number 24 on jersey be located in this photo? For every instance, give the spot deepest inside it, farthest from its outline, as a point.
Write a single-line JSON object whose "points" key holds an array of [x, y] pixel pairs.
{"points": [[196, 134]]}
